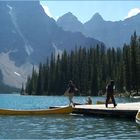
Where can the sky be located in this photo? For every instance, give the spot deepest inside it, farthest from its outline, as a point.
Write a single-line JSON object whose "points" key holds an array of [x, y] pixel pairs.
{"points": [[113, 10]]}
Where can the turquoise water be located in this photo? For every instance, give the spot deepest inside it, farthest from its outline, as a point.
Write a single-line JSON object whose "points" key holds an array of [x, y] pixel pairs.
{"points": [[61, 126]]}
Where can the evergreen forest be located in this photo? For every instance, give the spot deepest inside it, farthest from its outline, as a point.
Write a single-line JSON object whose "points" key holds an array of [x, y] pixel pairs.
{"points": [[90, 69]]}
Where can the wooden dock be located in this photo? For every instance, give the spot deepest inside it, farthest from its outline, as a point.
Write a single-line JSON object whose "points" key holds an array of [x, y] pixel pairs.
{"points": [[126, 110]]}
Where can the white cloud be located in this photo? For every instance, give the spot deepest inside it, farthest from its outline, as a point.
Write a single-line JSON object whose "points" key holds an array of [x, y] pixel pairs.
{"points": [[133, 12], [46, 9]]}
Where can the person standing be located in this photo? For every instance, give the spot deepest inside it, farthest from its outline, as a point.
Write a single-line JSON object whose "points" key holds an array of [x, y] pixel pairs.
{"points": [[110, 93], [89, 101], [70, 91]]}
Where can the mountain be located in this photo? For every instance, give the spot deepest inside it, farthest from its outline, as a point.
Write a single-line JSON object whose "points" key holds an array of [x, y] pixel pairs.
{"points": [[29, 36], [113, 34], [69, 22], [96, 19]]}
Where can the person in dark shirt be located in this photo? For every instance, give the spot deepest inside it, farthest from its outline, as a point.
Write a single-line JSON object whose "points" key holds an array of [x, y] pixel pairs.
{"points": [[72, 88], [110, 93]]}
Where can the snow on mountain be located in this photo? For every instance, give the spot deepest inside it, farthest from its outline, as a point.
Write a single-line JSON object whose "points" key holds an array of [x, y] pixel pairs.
{"points": [[12, 75], [27, 46], [57, 50]]}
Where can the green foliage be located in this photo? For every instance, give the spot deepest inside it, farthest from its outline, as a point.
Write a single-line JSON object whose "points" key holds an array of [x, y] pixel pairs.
{"points": [[90, 69]]}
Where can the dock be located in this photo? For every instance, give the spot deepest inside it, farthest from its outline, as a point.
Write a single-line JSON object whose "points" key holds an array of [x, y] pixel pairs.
{"points": [[125, 110]]}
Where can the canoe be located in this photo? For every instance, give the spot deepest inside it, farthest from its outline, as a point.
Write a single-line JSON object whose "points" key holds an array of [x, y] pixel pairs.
{"points": [[138, 117], [102, 102], [135, 97], [60, 110]]}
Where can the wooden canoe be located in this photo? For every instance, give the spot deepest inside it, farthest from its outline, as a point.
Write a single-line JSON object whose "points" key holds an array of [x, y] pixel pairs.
{"points": [[60, 110], [103, 102], [138, 117]]}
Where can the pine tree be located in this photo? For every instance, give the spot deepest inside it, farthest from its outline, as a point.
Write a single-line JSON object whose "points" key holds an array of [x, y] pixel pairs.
{"points": [[39, 87], [90, 69], [126, 67], [134, 61]]}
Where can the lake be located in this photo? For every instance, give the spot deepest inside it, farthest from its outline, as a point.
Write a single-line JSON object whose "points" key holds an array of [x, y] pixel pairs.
{"points": [[70, 127]]}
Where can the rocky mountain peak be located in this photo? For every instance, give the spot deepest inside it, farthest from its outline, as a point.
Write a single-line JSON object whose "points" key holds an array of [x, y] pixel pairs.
{"points": [[70, 22], [97, 17], [68, 16]]}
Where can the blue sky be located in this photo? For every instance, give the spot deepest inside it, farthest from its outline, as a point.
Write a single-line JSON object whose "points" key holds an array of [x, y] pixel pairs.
{"points": [[84, 10]]}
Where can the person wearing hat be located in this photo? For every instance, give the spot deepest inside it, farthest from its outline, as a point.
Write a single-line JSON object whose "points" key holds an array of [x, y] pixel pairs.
{"points": [[110, 94]]}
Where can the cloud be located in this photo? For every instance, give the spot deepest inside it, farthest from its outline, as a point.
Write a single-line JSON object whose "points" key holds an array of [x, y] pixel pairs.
{"points": [[46, 9], [133, 12]]}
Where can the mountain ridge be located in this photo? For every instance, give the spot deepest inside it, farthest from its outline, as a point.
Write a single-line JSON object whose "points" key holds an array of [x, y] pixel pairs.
{"points": [[112, 33]]}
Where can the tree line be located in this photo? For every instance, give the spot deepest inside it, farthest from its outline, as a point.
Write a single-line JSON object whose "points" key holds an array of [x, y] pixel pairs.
{"points": [[90, 69]]}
